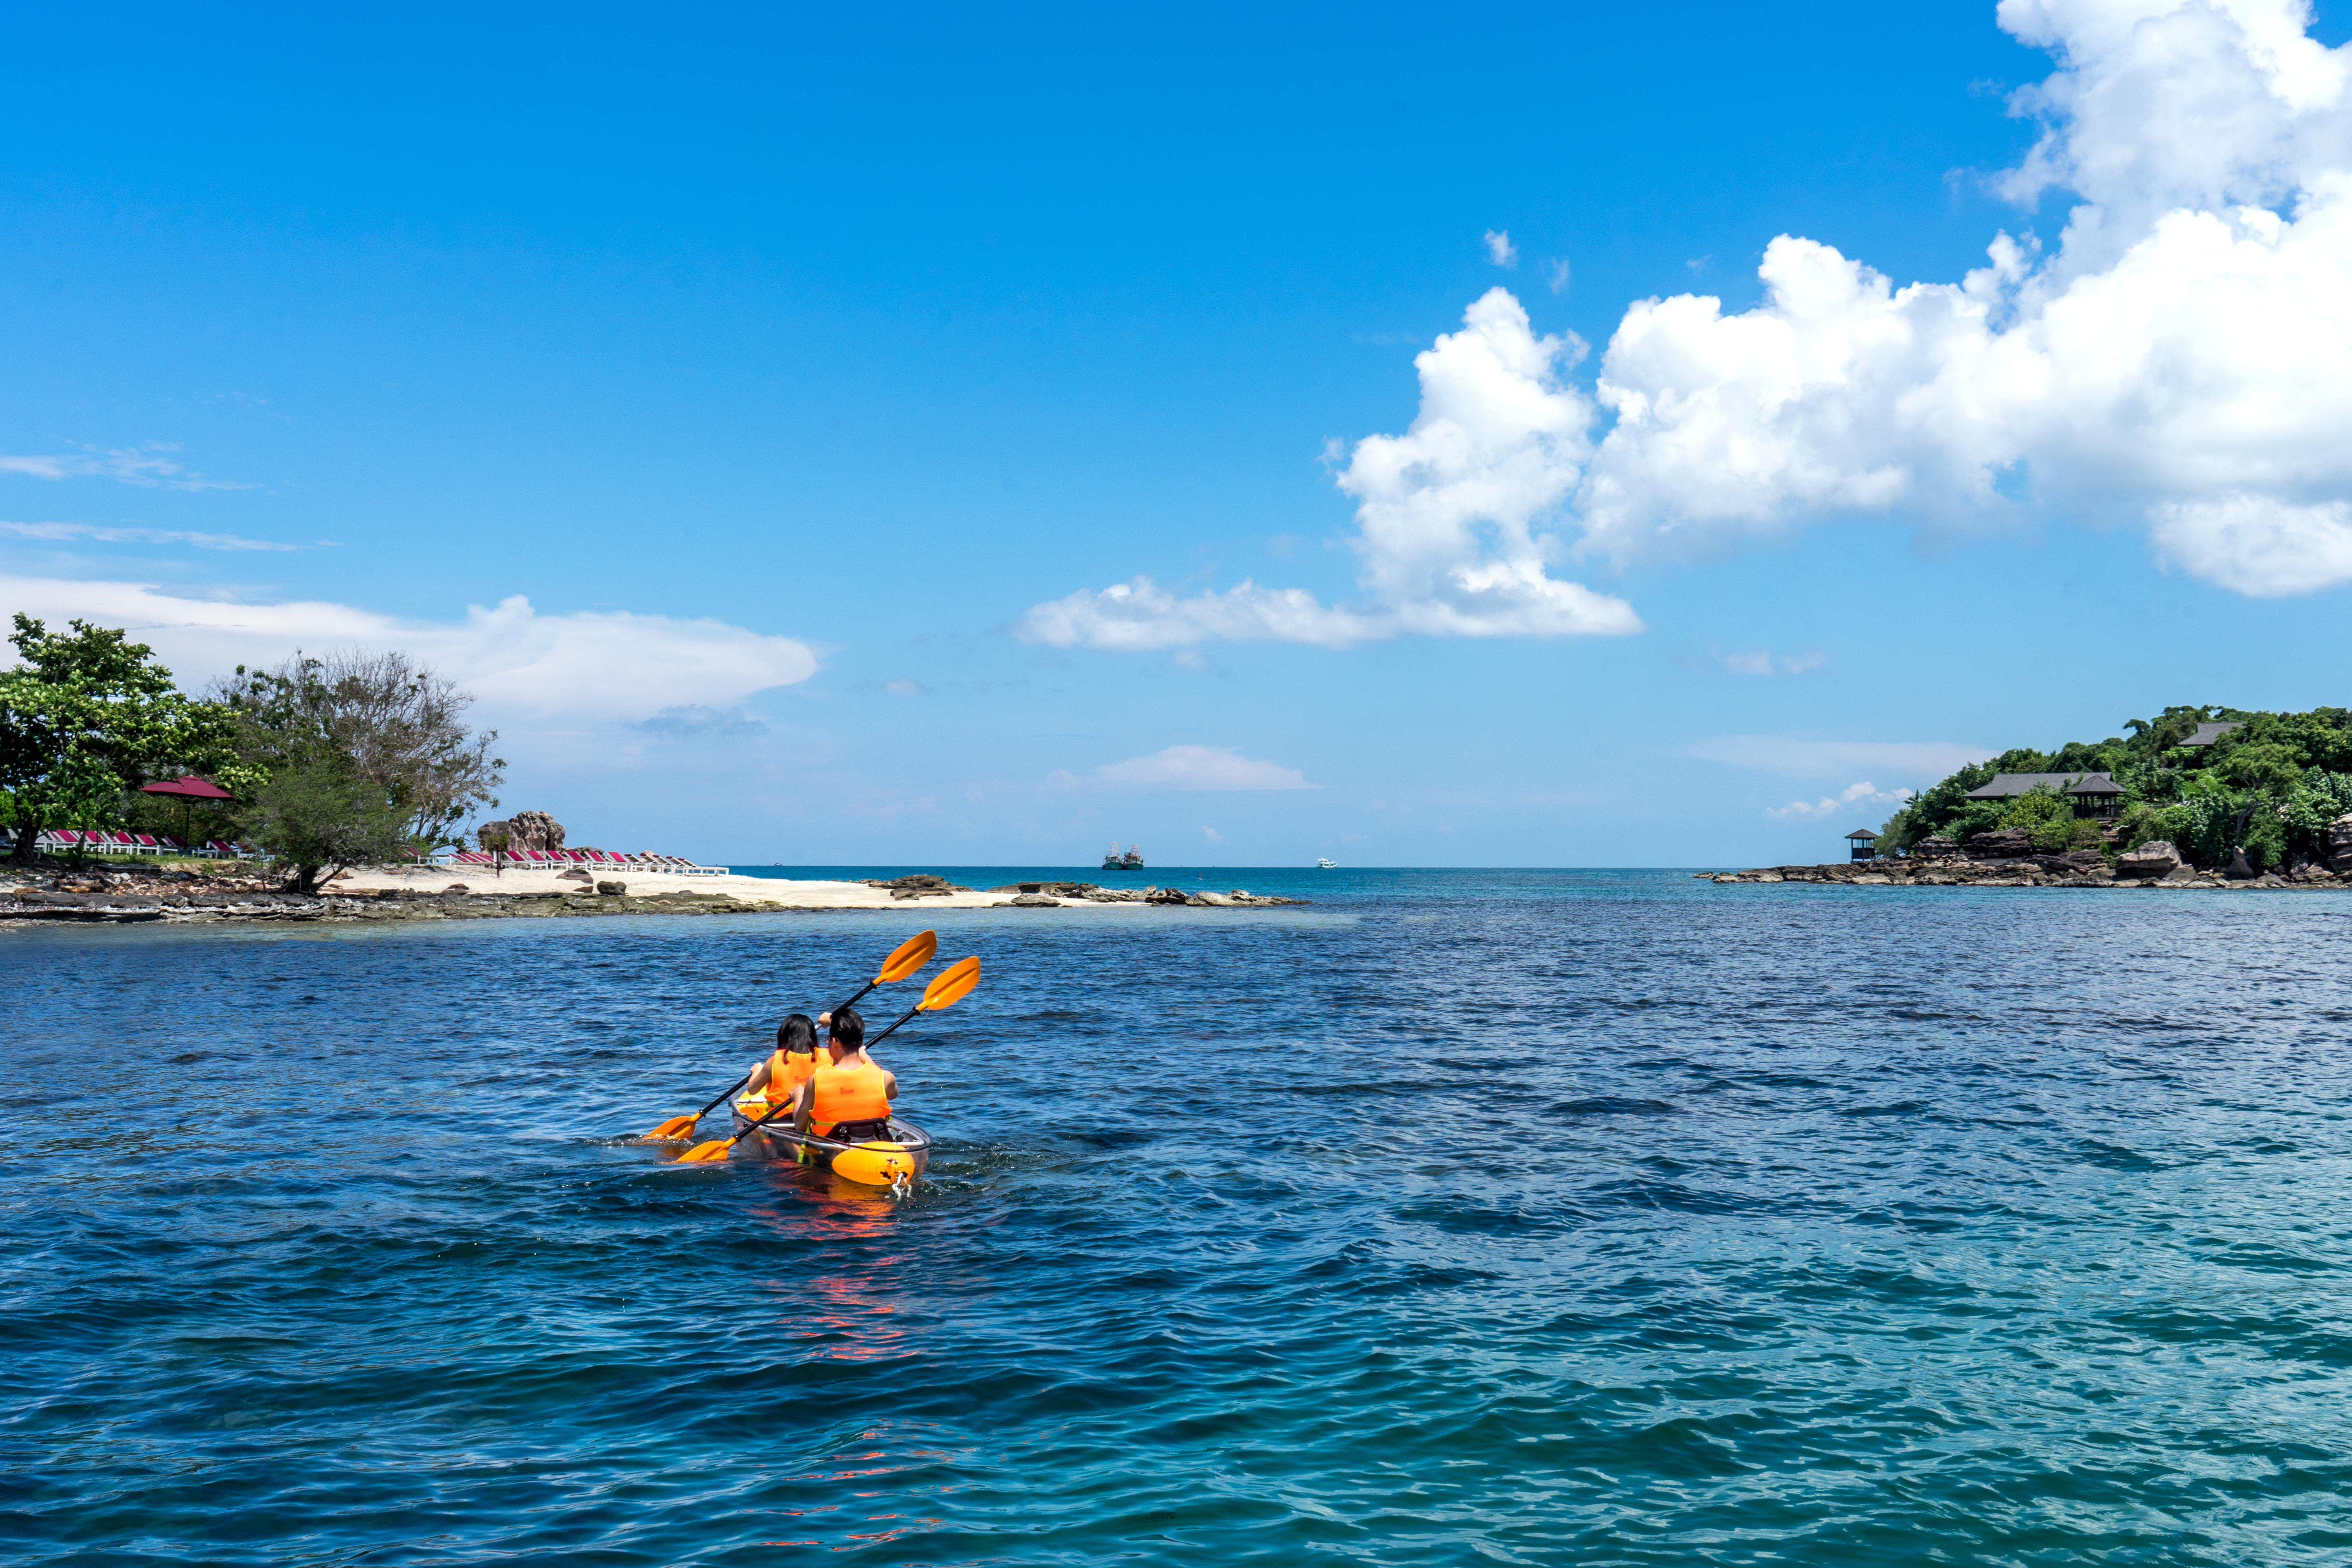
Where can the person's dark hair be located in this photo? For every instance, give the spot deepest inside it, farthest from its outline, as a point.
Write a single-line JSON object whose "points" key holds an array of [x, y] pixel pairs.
{"points": [[796, 1036], [848, 1028]]}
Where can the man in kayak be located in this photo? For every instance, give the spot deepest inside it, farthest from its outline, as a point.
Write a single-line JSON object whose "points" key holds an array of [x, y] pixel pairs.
{"points": [[847, 1097], [788, 1067]]}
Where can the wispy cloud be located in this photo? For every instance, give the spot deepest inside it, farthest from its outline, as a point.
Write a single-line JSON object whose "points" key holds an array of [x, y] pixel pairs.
{"points": [[1754, 661], [1863, 794], [1212, 834], [1556, 274], [151, 465], [612, 664], [1192, 768], [692, 722], [1499, 248], [1923, 759], [97, 534]]}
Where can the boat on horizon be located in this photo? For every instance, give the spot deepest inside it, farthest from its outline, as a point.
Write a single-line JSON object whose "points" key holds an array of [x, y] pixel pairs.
{"points": [[1130, 861], [1324, 863]]}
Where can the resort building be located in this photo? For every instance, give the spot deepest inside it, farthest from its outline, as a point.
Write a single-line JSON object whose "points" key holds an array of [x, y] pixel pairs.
{"points": [[2208, 732], [2094, 795]]}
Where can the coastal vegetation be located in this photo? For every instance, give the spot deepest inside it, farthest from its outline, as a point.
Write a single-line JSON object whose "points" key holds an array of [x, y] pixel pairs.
{"points": [[2272, 786], [336, 761]]}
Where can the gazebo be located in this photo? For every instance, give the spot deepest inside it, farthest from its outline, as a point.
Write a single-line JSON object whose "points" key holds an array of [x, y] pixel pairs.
{"points": [[187, 790], [1865, 842]]}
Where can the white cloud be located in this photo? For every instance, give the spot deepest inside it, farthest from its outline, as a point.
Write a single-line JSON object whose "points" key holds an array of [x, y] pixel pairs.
{"points": [[1137, 616], [1754, 661], [1197, 768], [1857, 796], [693, 722], [1447, 540], [2182, 362], [70, 531], [1212, 834], [149, 465], [903, 687], [1556, 274], [2184, 359], [2264, 548], [595, 664], [1499, 248], [1925, 761]]}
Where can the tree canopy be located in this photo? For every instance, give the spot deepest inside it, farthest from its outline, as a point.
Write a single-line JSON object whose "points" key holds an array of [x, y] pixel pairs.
{"points": [[361, 757], [88, 716], [2271, 786]]}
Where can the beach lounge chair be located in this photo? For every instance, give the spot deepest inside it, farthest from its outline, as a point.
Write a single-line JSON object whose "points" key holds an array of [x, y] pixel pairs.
{"points": [[167, 845], [219, 847], [147, 844]]}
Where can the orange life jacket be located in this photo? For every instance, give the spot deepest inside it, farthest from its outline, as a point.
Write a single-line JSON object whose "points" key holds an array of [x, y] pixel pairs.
{"points": [[786, 1073], [846, 1091]]}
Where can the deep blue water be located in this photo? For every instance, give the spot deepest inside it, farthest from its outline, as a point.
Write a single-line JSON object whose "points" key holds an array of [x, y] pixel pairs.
{"points": [[1544, 1217]]}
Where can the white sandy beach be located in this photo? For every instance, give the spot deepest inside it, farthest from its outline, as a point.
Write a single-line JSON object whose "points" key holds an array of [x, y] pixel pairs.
{"points": [[645, 884]]}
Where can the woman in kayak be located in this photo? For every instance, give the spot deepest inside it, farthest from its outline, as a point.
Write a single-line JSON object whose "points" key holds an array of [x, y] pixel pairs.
{"points": [[778, 1077], [847, 1097]]}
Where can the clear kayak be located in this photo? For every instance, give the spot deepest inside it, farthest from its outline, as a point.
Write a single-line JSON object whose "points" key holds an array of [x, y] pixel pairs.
{"points": [[893, 1162]]}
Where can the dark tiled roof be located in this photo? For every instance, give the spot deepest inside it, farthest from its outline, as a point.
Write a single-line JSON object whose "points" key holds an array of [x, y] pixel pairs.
{"points": [[2207, 733], [2009, 786], [1861, 833]]}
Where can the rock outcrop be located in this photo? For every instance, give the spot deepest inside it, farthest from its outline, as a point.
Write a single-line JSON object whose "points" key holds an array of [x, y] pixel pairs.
{"points": [[2000, 844], [2340, 844], [1935, 846], [2154, 858], [523, 831], [921, 885]]}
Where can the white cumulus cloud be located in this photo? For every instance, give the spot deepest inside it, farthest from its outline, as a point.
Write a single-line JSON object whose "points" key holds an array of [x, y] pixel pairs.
{"points": [[1856, 796], [2180, 362], [1197, 768], [2183, 360], [594, 664], [1448, 540], [1499, 248]]}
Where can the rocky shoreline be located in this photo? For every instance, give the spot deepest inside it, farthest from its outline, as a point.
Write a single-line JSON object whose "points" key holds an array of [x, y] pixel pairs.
{"points": [[109, 896], [1052, 895], [2083, 869]]}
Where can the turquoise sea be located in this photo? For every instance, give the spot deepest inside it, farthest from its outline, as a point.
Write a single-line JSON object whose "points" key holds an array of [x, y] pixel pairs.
{"points": [[1588, 1217]]}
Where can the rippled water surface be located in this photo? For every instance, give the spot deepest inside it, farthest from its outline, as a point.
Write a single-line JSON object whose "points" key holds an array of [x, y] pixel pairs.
{"points": [[1591, 1217]]}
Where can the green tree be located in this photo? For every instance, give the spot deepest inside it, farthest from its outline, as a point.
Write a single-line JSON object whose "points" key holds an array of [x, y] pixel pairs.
{"points": [[362, 758], [87, 716]]}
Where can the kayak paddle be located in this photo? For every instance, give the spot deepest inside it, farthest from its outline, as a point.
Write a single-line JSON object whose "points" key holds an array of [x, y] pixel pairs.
{"points": [[953, 987], [910, 955]]}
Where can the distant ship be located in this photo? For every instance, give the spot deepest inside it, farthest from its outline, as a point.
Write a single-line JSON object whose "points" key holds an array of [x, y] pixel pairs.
{"points": [[1130, 861], [1323, 865]]}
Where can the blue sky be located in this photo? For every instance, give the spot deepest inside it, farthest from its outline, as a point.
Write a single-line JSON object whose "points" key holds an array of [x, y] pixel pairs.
{"points": [[789, 363]]}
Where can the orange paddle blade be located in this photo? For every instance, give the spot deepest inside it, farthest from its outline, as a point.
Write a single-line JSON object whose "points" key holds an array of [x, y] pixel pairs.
{"points": [[703, 1154], [911, 955], [954, 983], [675, 1127]]}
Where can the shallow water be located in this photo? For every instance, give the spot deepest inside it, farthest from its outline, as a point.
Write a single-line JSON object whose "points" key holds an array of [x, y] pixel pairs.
{"points": [[1591, 1217]]}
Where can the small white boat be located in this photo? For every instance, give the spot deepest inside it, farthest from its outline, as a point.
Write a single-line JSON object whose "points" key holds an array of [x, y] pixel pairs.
{"points": [[1322, 864]]}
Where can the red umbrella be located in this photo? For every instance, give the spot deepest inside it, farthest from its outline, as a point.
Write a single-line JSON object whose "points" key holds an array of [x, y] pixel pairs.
{"points": [[189, 789]]}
